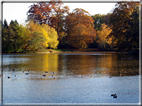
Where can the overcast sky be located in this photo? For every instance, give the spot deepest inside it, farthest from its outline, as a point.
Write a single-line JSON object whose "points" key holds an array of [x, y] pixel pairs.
{"points": [[17, 11]]}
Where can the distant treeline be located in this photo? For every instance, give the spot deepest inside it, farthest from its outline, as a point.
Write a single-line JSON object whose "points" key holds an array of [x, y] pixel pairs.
{"points": [[51, 25]]}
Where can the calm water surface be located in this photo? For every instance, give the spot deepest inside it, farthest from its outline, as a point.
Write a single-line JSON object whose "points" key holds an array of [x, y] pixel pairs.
{"points": [[71, 78]]}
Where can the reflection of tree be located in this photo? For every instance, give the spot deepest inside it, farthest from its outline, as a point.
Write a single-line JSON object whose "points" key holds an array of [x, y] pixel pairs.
{"points": [[52, 62], [47, 62], [37, 62], [78, 64], [112, 65], [103, 64], [125, 67], [82, 65]]}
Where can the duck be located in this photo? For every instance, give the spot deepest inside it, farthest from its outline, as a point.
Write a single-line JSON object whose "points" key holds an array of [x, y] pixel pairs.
{"points": [[54, 78], [114, 95], [27, 73], [8, 77], [15, 75], [44, 75]]}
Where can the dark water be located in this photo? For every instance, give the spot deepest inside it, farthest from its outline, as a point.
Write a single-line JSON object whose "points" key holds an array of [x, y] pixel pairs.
{"points": [[71, 78]]}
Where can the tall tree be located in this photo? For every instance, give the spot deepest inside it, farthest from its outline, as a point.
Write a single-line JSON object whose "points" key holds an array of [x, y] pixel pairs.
{"points": [[51, 13], [38, 37], [52, 35], [5, 24], [12, 40], [5, 37], [98, 21], [86, 33], [122, 20], [47, 36]]}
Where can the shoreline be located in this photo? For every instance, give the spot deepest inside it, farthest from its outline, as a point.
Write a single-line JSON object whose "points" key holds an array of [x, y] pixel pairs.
{"points": [[50, 51]]}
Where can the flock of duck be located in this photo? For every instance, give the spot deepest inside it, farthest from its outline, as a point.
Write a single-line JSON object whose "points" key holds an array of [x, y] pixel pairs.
{"points": [[27, 73], [44, 75], [114, 95]]}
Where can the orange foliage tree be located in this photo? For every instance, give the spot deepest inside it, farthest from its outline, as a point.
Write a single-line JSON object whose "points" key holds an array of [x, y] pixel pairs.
{"points": [[103, 38], [51, 13], [80, 28]]}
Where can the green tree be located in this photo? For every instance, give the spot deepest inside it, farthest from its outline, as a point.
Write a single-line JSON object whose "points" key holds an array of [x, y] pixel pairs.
{"points": [[13, 27], [5, 37], [14, 37], [35, 43], [5, 24], [9, 36], [23, 36], [38, 37], [98, 21]]}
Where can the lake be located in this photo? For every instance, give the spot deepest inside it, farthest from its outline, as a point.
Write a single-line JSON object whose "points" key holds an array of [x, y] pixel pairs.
{"points": [[70, 78]]}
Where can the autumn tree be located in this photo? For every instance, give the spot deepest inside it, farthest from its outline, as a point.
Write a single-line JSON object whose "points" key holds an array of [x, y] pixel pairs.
{"points": [[103, 38], [32, 37], [47, 35], [51, 13], [80, 28], [123, 19], [100, 19], [52, 36], [79, 38]]}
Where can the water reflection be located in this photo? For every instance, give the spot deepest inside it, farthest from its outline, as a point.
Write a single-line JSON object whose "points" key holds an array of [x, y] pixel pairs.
{"points": [[72, 65]]}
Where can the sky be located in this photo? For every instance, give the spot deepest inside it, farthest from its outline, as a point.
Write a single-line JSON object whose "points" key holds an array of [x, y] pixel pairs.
{"points": [[18, 11]]}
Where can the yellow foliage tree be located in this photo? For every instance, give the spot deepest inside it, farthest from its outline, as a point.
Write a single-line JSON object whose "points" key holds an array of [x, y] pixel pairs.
{"points": [[52, 36], [103, 36], [33, 27], [46, 32]]}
